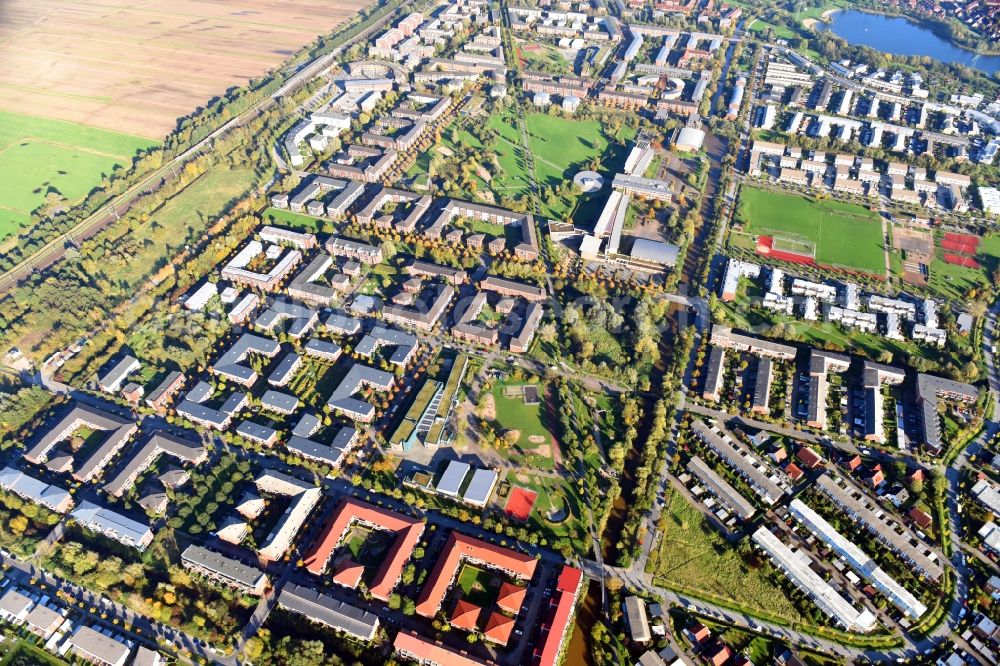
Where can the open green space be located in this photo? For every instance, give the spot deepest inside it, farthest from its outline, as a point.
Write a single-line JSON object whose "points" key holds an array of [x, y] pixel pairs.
{"points": [[171, 223], [513, 414], [543, 57], [693, 558], [561, 147], [476, 586], [299, 221], [845, 235], [955, 282], [40, 155]]}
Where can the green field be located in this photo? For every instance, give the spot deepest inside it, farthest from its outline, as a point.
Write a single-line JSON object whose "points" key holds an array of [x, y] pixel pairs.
{"points": [[844, 235], [561, 147], [299, 221], [512, 413], [39, 155], [691, 557], [172, 222]]}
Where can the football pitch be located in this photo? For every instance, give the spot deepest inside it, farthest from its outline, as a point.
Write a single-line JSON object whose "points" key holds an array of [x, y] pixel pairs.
{"points": [[843, 235], [39, 154]]}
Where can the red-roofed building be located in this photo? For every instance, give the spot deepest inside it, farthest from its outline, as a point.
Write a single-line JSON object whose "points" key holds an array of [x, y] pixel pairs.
{"points": [[794, 472], [877, 477], [348, 573], [498, 628], [922, 519], [718, 654], [559, 618], [853, 464], [466, 615], [917, 475], [698, 633], [461, 548], [351, 512], [809, 458], [425, 652], [511, 597]]}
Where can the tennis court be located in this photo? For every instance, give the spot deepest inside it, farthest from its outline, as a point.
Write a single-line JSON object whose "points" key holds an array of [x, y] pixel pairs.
{"points": [[520, 503]]}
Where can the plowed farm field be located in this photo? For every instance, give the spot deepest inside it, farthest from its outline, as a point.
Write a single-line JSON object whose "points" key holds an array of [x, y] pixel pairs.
{"points": [[134, 66]]}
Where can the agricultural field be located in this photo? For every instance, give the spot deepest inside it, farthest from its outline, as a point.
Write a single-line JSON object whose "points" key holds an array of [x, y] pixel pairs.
{"points": [[836, 234], [57, 56], [693, 558], [40, 157]]}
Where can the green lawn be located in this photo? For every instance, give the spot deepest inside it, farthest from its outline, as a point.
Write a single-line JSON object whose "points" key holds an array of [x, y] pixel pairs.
{"points": [[173, 222], [38, 155], [512, 413], [844, 235], [475, 584], [691, 557], [563, 146], [299, 221], [543, 57]]}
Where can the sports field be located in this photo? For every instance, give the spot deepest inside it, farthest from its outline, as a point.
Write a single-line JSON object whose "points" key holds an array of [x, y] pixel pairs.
{"points": [[39, 156], [843, 235]]}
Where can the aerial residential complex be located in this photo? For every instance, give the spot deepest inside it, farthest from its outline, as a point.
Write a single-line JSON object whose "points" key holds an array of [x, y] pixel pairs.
{"points": [[652, 332]]}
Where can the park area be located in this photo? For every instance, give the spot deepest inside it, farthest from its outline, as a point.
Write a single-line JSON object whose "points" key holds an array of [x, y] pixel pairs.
{"points": [[40, 157], [692, 558], [796, 228], [561, 147]]}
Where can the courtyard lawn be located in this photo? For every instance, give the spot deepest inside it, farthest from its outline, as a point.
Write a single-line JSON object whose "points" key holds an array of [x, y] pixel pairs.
{"points": [[298, 221], [844, 235], [476, 586], [692, 558], [39, 154], [543, 57]]}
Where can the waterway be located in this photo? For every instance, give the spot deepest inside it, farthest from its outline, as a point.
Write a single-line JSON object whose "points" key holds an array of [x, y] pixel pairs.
{"points": [[899, 36]]}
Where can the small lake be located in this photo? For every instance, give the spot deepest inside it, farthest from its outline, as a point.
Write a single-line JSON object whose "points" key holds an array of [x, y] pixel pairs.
{"points": [[896, 35]]}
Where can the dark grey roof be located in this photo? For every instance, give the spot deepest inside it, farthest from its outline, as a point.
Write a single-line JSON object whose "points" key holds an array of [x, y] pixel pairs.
{"points": [[159, 443], [81, 414], [329, 611], [339, 323], [255, 431], [721, 489], [230, 364], [163, 387], [383, 336], [307, 448], [279, 402], [315, 347], [343, 398], [284, 370], [226, 567]]}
